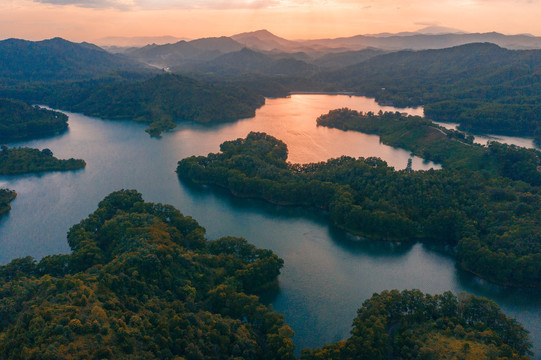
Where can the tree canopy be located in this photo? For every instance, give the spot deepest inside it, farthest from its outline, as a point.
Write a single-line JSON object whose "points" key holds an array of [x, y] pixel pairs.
{"points": [[413, 325], [19, 120], [142, 282], [24, 160]]}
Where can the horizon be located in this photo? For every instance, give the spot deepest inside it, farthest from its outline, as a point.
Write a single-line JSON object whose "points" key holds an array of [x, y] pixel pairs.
{"points": [[91, 20], [100, 41]]}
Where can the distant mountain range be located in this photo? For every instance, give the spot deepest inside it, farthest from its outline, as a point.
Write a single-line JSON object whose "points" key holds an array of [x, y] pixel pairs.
{"points": [[428, 38], [277, 55], [184, 52], [136, 41]]}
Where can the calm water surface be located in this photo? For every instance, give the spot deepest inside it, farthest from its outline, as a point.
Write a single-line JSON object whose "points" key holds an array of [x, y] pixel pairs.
{"points": [[327, 273], [484, 139]]}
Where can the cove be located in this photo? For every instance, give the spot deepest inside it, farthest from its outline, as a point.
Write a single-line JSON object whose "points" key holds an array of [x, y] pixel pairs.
{"points": [[327, 273]]}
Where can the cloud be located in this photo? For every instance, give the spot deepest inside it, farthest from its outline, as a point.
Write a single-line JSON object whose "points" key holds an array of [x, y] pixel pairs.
{"points": [[94, 4], [182, 4]]}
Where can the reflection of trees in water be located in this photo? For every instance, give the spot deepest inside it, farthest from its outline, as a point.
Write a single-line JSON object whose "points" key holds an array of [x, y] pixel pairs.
{"points": [[342, 239], [505, 296], [261, 207], [358, 245]]}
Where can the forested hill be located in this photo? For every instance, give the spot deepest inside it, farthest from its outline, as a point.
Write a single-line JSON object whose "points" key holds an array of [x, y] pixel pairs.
{"points": [[19, 120], [142, 282], [412, 325], [161, 101], [481, 86], [247, 61], [58, 59], [444, 67]]}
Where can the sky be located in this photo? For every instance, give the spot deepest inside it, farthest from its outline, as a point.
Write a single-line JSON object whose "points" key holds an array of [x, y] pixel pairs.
{"points": [[89, 20]]}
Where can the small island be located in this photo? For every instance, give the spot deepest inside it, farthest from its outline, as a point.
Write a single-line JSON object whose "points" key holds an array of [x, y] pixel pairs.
{"points": [[20, 121], [23, 160], [6, 196], [490, 221]]}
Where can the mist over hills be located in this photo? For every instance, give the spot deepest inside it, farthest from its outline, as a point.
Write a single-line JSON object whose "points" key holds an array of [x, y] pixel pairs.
{"points": [[184, 52], [136, 41]]}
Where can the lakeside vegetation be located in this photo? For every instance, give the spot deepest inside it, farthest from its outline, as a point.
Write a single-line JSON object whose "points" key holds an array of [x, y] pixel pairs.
{"points": [[142, 282], [19, 121], [22, 160], [482, 86], [413, 325], [161, 101], [491, 220], [453, 149], [6, 196]]}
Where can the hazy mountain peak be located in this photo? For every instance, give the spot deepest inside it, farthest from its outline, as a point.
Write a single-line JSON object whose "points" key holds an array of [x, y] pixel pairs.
{"points": [[258, 33], [439, 30], [265, 40]]}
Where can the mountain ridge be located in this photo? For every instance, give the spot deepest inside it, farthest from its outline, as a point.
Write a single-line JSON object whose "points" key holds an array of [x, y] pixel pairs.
{"points": [[58, 59]]}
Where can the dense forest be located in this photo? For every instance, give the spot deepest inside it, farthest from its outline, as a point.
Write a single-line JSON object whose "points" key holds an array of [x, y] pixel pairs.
{"points": [[412, 325], [483, 87], [491, 220], [59, 59], [142, 282], [453, 149], [160, 101], [6, 196], [19, 121], [24, 160]]}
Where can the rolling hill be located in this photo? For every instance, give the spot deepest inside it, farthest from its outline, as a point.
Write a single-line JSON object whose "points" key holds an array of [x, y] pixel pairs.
{"points": [[58, 59]]}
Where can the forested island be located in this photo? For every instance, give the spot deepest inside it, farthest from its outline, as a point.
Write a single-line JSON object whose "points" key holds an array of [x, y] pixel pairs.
{"points": [[22, 160], [6, 196], [413, 325], [143, 282], [20, 121], [490, 220], [161, 101]]}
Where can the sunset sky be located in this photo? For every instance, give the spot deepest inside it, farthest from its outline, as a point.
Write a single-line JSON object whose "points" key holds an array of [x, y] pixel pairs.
{"points": [[88, 20]]}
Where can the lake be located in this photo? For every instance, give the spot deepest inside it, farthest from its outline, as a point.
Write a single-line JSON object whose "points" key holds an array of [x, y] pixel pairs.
{"points": [[327, 273]]}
